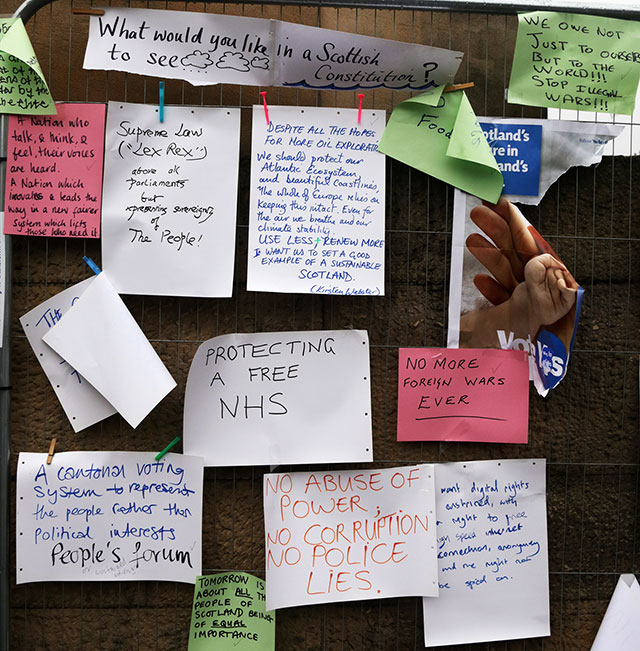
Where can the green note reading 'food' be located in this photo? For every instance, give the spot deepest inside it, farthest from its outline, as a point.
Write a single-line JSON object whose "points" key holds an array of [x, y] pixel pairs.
{"points": [[588, 63], [444, 141]]}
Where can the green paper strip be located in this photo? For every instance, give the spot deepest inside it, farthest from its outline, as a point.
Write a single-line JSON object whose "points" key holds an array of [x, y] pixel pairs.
{"points": [[23, 89], [573, 61], [444, 141]]}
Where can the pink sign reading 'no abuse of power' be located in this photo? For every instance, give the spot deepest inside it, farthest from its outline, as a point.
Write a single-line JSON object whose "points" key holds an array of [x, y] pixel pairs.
{"points": [[447, 394], [54, 172]]}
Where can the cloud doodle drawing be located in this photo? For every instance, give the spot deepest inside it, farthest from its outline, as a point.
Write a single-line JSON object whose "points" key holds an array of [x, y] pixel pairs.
{"points": [[233, 61], [260, 62], [197, 59]]}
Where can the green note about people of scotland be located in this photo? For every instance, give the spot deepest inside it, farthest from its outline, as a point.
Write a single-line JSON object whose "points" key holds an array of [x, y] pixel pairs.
{"points": [[228, 614], [573, 61]]}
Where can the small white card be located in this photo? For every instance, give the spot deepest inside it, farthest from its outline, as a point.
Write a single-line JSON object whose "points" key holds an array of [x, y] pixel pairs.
{"points": [[82, 404], [100, 339]]}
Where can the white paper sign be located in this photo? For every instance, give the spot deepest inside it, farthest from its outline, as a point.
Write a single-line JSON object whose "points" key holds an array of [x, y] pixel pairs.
{"points": [[626, 144], [101, 340], [82, 404], [492, 553], [211, 48], [108, 516], [349, 535], [316, 215], [275, 398], [620, 628], [170, 195]]}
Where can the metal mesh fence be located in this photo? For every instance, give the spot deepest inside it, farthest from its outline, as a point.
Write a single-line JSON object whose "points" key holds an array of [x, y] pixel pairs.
{"points": [[587, 429]]}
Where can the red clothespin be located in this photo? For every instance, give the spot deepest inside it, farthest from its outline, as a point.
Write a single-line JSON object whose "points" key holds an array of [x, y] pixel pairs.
{"points": [[360, 97], [52, 448], [266, 108]]}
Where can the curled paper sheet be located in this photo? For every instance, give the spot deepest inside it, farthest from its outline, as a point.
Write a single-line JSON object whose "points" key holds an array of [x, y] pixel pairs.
{"points": [[565, 144], [23, 88], [210, 49], [101, 340], [620, 628], [445, 141]]}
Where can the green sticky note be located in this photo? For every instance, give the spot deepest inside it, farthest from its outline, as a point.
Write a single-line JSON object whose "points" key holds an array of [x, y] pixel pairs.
{"points": [[23, 89], [588, 63], [444, 141], [228, 614]]}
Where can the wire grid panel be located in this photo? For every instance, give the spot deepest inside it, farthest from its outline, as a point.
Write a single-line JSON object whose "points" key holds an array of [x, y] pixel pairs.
{"points": [[587, 428]]}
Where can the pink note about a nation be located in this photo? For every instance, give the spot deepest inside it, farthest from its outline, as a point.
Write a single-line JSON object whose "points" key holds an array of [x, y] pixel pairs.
{"points": [[54, 172], [450, 394]]}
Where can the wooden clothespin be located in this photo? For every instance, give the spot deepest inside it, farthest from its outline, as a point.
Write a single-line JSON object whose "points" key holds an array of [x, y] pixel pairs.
{"points": [[79, 11], [450, 89], [52, 448]]}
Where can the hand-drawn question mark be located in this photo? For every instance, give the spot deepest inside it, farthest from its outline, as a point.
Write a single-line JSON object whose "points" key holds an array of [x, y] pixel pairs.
{"points": [[429, 67]]}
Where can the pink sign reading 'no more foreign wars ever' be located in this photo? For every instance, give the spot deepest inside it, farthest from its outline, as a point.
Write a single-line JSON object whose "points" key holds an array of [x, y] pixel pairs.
{"points": [[54, 172], [447, 394]]}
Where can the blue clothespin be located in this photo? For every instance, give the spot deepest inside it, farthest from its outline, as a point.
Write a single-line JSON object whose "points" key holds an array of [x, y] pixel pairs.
{"points": [[161, 101], [94, 267]]}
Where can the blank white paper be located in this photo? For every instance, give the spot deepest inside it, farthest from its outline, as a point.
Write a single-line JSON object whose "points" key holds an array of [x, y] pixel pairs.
{"points": [[102, 341]]}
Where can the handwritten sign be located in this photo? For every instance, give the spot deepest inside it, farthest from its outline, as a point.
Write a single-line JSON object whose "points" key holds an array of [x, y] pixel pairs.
{"points": [[285, 397], [23, 88], [516, 148], [108, 516], [316, 216], [165, 230], [82, 404], [229, 608], [447, 394], [100, 339], [350, 535], [444, 141], [620, 628], [209, 49], [589, 63], [492, 553], [54, 172]]}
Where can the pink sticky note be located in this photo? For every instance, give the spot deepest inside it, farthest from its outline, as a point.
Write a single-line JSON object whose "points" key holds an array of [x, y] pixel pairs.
{"points": [[54, 172], [450, 394]]}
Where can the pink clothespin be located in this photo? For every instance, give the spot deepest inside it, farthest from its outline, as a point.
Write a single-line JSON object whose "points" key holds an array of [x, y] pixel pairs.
{"points": [[264, 102], [360, 97]]}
